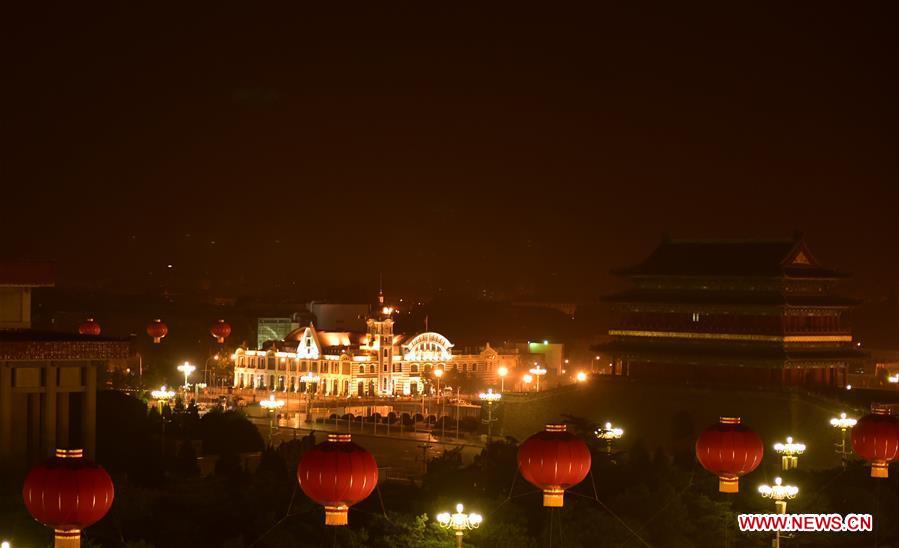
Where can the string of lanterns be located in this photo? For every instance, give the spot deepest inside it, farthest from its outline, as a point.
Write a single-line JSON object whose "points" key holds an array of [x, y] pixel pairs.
{"points": [[338, 473], [157, 329]]}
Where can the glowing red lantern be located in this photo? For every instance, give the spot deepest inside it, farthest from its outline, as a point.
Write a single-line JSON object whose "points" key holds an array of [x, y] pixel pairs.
{"points": [[875, 438], [729, 450], [554, 460], [337, 474], [89, 327], [220, 330], [157, 329], [68, 493]]}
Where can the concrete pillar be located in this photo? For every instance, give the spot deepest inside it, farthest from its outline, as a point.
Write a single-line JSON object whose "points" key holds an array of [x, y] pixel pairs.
{"points": [[89, 411], [5, 412], [62, 420], [49, 422]]}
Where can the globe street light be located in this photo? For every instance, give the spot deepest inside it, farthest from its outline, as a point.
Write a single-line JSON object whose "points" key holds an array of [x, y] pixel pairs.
{"points": [[187, 369], [502, 371], [438, 373], [538, 372], [162, 395], [779, 493], [609, 434], [843, 423], [271, 405], [309, 379], [490, 397], [581, 376], [459, 522], [789, 453]]}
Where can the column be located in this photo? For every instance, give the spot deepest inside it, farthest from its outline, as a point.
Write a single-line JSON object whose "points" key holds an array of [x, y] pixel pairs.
{"points": [[5, 411], [49, 426], [62, 420], [89, 411]]}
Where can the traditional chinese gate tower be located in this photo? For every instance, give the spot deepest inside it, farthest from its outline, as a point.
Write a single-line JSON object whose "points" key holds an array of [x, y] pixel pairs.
{"points": [[743, 312]]}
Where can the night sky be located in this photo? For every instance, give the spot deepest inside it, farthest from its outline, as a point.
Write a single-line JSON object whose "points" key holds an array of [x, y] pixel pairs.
{"points": [[511, 149]]}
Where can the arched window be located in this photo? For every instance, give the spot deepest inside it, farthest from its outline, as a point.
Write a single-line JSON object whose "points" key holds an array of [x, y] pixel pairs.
{"points": [[414, 368], [361, 369]]}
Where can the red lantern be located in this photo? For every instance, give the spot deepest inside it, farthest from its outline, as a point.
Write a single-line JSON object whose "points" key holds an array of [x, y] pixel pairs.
{"points": [[220, 330], [875, 438], [554, 460], [337, 474], [68, 494], [729, 450], [157, 329], [89, 327]]}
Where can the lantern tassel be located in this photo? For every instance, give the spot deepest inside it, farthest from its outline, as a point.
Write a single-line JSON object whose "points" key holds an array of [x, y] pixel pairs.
{"points": [[729, 485], [553, 497], [67, 538], [336, 515], [880, 469]]}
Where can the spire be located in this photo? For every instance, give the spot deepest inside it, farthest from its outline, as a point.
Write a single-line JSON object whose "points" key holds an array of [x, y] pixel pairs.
{"points": [[380, 289]]}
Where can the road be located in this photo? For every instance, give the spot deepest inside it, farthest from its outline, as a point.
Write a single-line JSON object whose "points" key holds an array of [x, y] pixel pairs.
{"points": [[400, 454]]}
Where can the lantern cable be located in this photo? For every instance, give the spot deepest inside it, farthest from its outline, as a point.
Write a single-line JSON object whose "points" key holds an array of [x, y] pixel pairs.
{"points": [[613, 514], [383, 509], [671, 499]]}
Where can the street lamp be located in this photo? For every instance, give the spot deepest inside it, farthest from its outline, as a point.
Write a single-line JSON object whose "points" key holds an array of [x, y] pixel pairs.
{"points": [[502, 371], [789, 453], [527, 381], [581, 376], [271, 405], [779, 493], [309, 379], [538, 372], [843, 423], [459, 522], [162, 395], [609, 434], [490, 397], [187, 369], [438, 373]]}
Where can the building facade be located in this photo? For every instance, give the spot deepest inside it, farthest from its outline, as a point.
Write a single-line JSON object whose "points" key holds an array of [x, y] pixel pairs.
{"points": [[48, 380], [749, 312], [377, 362]]}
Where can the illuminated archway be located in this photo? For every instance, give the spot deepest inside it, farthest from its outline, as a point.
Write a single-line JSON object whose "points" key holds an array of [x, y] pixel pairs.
{"points": [[428, 347]]}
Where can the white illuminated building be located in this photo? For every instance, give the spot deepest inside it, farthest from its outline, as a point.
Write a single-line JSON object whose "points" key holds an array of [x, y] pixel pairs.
{"points": [[375, 363]]}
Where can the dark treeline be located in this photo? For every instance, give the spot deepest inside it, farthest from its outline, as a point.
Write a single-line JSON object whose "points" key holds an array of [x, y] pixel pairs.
{"points": [[638, 496]]}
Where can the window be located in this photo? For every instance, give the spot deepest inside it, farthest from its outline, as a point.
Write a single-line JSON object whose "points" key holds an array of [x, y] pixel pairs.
{"points": [[414, 368], [695, 317], [361, 369]]}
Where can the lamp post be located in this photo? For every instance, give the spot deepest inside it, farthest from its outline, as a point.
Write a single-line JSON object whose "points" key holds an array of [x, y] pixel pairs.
{"points": [[843, 423], [271, 405], [609, 434], [437, 374], [538, 372], [490, 397], [162, 396], [502, 371], [459, 522], [789, 453], [309, 379], [779, 493], [527, 379], [186, 368], [581, 376]]}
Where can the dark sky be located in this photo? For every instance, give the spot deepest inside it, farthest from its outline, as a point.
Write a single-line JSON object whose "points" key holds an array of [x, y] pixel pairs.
{"points": [[502, 147]]}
